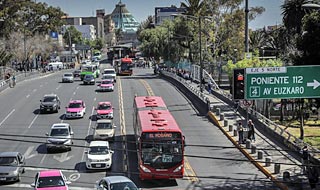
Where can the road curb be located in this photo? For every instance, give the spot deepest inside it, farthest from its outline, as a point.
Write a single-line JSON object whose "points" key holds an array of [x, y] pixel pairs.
{"points": [[246, 153]]}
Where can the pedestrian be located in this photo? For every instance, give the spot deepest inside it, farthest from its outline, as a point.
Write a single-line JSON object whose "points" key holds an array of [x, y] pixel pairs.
{"points": [[240, 132], [305, 159], [13, 80], [251, 132], [313, 177]]}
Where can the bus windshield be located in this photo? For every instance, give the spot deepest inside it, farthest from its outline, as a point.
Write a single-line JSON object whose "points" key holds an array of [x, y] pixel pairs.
{"points": [[125, 66], [162, 154]]}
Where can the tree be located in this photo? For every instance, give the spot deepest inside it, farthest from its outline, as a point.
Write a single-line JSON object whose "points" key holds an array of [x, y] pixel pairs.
{"points": [[73, 36], [194, 7]]}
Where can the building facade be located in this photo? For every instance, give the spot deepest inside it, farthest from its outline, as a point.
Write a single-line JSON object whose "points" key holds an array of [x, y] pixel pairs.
{"points": [[165, 13]]}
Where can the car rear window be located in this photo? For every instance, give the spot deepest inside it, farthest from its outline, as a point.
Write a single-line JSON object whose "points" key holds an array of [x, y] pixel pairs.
{"points": [[53, 181]]}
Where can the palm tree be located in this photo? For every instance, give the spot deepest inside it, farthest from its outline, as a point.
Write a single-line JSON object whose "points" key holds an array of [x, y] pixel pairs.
{"points": [[292, 15], [194, 7]]}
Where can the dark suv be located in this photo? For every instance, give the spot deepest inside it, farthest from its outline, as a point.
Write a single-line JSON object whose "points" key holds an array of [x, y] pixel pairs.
{"points": [[50, 103]]}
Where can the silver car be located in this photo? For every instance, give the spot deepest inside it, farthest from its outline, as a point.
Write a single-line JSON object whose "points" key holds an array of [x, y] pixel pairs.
{"points": [[60, 137], [67, 77], [116, 183], [11, 166]]}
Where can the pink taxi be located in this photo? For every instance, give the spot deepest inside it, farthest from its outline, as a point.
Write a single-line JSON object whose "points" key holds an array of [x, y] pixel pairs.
{"points": [[104, 110], [75, 109], [106, 85], [50, 180]]}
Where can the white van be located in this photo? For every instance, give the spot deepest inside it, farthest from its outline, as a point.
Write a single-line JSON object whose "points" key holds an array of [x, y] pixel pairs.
{"points": [[55, 66]]}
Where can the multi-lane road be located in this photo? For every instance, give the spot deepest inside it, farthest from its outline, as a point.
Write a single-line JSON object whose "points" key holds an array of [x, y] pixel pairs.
{"points": [[208, 164]]}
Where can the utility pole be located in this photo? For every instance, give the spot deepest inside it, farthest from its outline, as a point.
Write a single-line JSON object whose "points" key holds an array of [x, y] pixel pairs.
{"points": [[200, 57], [246, 27]]}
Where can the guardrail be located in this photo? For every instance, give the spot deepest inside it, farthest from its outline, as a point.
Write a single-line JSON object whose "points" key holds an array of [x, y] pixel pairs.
{"points": [[289, 140]]}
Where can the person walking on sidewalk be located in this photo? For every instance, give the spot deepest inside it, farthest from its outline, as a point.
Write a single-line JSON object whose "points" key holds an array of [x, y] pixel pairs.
{"points": [[251, 132], [305, 159], [240, 133], [313, 176]]}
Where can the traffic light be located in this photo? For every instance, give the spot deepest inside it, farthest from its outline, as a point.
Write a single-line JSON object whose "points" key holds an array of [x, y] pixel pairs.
{"points": [[238, 84]]}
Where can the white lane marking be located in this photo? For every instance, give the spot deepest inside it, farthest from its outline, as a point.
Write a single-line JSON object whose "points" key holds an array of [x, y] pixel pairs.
{"points": [[27, 186], [58, 87], [41, 85], [33, 121], [63, 157], [42, 159], [28, 96], [28, 152], [34, 90], [74, 177], [7, 117], [89, 127], [74, 93], [94, 99], [78, 87]]}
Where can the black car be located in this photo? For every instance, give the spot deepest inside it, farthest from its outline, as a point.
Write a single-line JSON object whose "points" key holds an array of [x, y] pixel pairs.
{"points": [[50, 103], [89, 79], [76, 73]]}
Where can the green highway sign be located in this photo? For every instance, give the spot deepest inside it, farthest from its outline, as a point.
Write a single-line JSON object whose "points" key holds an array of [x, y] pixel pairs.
{"points": [[282, 82]]}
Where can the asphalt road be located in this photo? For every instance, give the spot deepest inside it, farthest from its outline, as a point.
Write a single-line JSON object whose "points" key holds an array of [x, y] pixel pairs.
{"points": [[208, 167]]}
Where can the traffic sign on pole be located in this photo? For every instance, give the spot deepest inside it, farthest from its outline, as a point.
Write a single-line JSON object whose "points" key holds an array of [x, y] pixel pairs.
{"points": [[282, 82]]}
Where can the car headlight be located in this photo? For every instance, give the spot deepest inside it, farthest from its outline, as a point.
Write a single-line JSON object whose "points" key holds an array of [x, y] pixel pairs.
{"points": [[15, 172], [90, 160], [67, 141], [145, 169], [107, 159]]}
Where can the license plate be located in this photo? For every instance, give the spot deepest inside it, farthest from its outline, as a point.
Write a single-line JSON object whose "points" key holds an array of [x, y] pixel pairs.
{"points": [[48, 109], [98, 165], [2, 178]]}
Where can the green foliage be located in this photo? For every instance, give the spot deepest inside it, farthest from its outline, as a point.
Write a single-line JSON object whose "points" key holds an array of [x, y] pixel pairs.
{"points": [[73, 36], [29, 16], [5, 57], [249, 63]]}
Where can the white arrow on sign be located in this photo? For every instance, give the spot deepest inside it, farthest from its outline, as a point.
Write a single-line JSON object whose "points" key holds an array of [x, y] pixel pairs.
{"points": [[63, 157], [315, 84], [27, 154]]}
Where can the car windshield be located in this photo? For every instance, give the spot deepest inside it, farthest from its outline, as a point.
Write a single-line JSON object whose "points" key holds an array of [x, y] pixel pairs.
{"points": [[68, 75], [8, 161], [87, 69], [49, 99], [109, 72], [107, 77], [104, 126], [75, 105], [52, 181], [123, 185], [98, 150], [59, 132], [89, 76], [104, 107], [77, 71], [106, 82]]}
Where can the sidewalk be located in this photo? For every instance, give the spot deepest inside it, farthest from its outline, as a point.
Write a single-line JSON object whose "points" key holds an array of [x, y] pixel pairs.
{"points": [[267, 155]]}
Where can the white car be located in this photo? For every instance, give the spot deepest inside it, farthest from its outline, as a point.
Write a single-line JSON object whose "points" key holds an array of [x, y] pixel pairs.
{"points": [[110, 73], [67, 77], [104, 129], [99, 155]]}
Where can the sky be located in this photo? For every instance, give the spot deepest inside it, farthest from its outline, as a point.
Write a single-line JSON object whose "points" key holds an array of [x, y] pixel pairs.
{"points": [[141, 9]]}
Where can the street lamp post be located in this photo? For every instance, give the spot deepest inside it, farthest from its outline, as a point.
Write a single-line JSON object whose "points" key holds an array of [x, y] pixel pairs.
{"points": [[200, 56]]}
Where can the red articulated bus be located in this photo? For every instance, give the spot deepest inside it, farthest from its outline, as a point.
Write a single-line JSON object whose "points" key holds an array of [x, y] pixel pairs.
{"points": [[159, 139]]}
